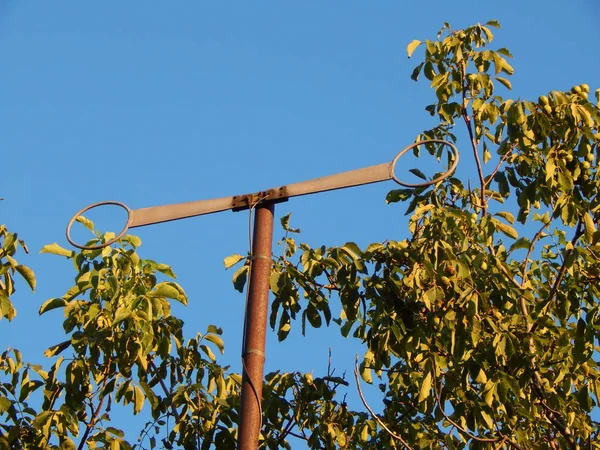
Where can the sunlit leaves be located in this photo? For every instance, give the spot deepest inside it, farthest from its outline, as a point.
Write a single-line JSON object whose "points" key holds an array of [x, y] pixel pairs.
{"points": [[232, 260], [478, 322], [56, 249], [473, 313], [412, 46], [9, 267]]}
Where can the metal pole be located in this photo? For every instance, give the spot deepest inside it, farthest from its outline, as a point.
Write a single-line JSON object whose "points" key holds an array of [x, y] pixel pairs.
{"points": [[253, 353]]}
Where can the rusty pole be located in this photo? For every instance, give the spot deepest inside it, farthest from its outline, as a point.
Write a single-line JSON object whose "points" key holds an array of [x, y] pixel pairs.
{"points": [[253, 353]]}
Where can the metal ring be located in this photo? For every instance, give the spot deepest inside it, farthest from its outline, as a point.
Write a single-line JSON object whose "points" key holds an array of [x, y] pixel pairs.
{"points": [[446, 174], [106, 244]]}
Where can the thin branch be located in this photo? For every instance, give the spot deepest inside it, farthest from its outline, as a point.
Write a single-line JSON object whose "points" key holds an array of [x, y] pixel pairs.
{"points": [[287, 430], [530, 250], [467, 120], [438, 394], [511, 443], [504, 157], [299, 436], [163, 386], [563, 267], [94, 417], [555, 418], [503, 269], [377, 419]]}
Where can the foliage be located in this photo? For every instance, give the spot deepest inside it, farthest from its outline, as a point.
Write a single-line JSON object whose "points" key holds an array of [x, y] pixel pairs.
{"points": [[9, 266], [124, 348], [479, 326]]}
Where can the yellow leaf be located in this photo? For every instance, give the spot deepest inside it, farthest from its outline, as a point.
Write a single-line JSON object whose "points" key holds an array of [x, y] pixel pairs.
{"points": [[56, 249], [488, 420], [590, 228], [425, 388], [27, 274], [506, 229], [412, 46], [232, 260], [486, 156], [481, 377], [86, 222]]}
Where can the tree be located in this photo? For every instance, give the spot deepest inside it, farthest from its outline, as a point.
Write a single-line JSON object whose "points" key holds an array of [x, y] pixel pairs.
{"points": [[479, 327]]}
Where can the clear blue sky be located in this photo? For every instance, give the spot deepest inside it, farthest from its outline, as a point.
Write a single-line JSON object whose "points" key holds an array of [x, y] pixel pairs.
{"points": [[152, 102]]}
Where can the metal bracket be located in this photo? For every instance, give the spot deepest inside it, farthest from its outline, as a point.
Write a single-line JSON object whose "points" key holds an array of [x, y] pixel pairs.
{"points": [[247, 201]]}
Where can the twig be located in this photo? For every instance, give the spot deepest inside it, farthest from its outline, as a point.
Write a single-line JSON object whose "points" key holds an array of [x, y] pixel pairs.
{"points": [[467, 120], [563, 267], [438, 394], [377, 419], [504, 157], [95, 414], [512, 443], [530, 250], [163, 386], [503, 269], [555, 418]]}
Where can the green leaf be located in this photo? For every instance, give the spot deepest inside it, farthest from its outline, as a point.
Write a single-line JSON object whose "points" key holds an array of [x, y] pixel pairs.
{"points": [[232, 260], [86, 222], [425, 388], [239, 278], [488, 420], [138, 399], [285, 224], [135, 241], [410, 48], [504, 82], [506, 216], [51, 304], [165, 290], [506, 229], [520, 243], [398, 195], [123, 313], [208, 352], [6, 308], [493, 23], [5, 403], [27, 274], [416, 72], [56, 249], [354, 252], [216, 340], [115, 432], [418, 173], [590, 228], [56, 349], [166, 269]]}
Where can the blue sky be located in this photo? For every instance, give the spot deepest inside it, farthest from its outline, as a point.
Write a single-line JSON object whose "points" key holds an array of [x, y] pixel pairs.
{"points": [[152, 103]]}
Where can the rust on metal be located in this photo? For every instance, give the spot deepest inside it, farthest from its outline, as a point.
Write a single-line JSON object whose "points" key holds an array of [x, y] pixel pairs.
{"points": [[255, 328], [276, 195]]}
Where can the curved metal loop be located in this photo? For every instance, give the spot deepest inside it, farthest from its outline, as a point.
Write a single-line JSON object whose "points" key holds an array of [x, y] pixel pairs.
{"points": [[106, 244], [443, 176]]}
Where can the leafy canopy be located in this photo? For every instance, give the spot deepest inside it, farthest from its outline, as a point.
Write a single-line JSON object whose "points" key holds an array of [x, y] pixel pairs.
{"points": [[479, 324]]}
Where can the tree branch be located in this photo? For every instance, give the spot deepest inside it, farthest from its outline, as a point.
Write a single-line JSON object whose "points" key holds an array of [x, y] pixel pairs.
{"points": [[467, 120], [163, 386], [438, 395], [555, 418], [95, 414], [375, 416]]}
